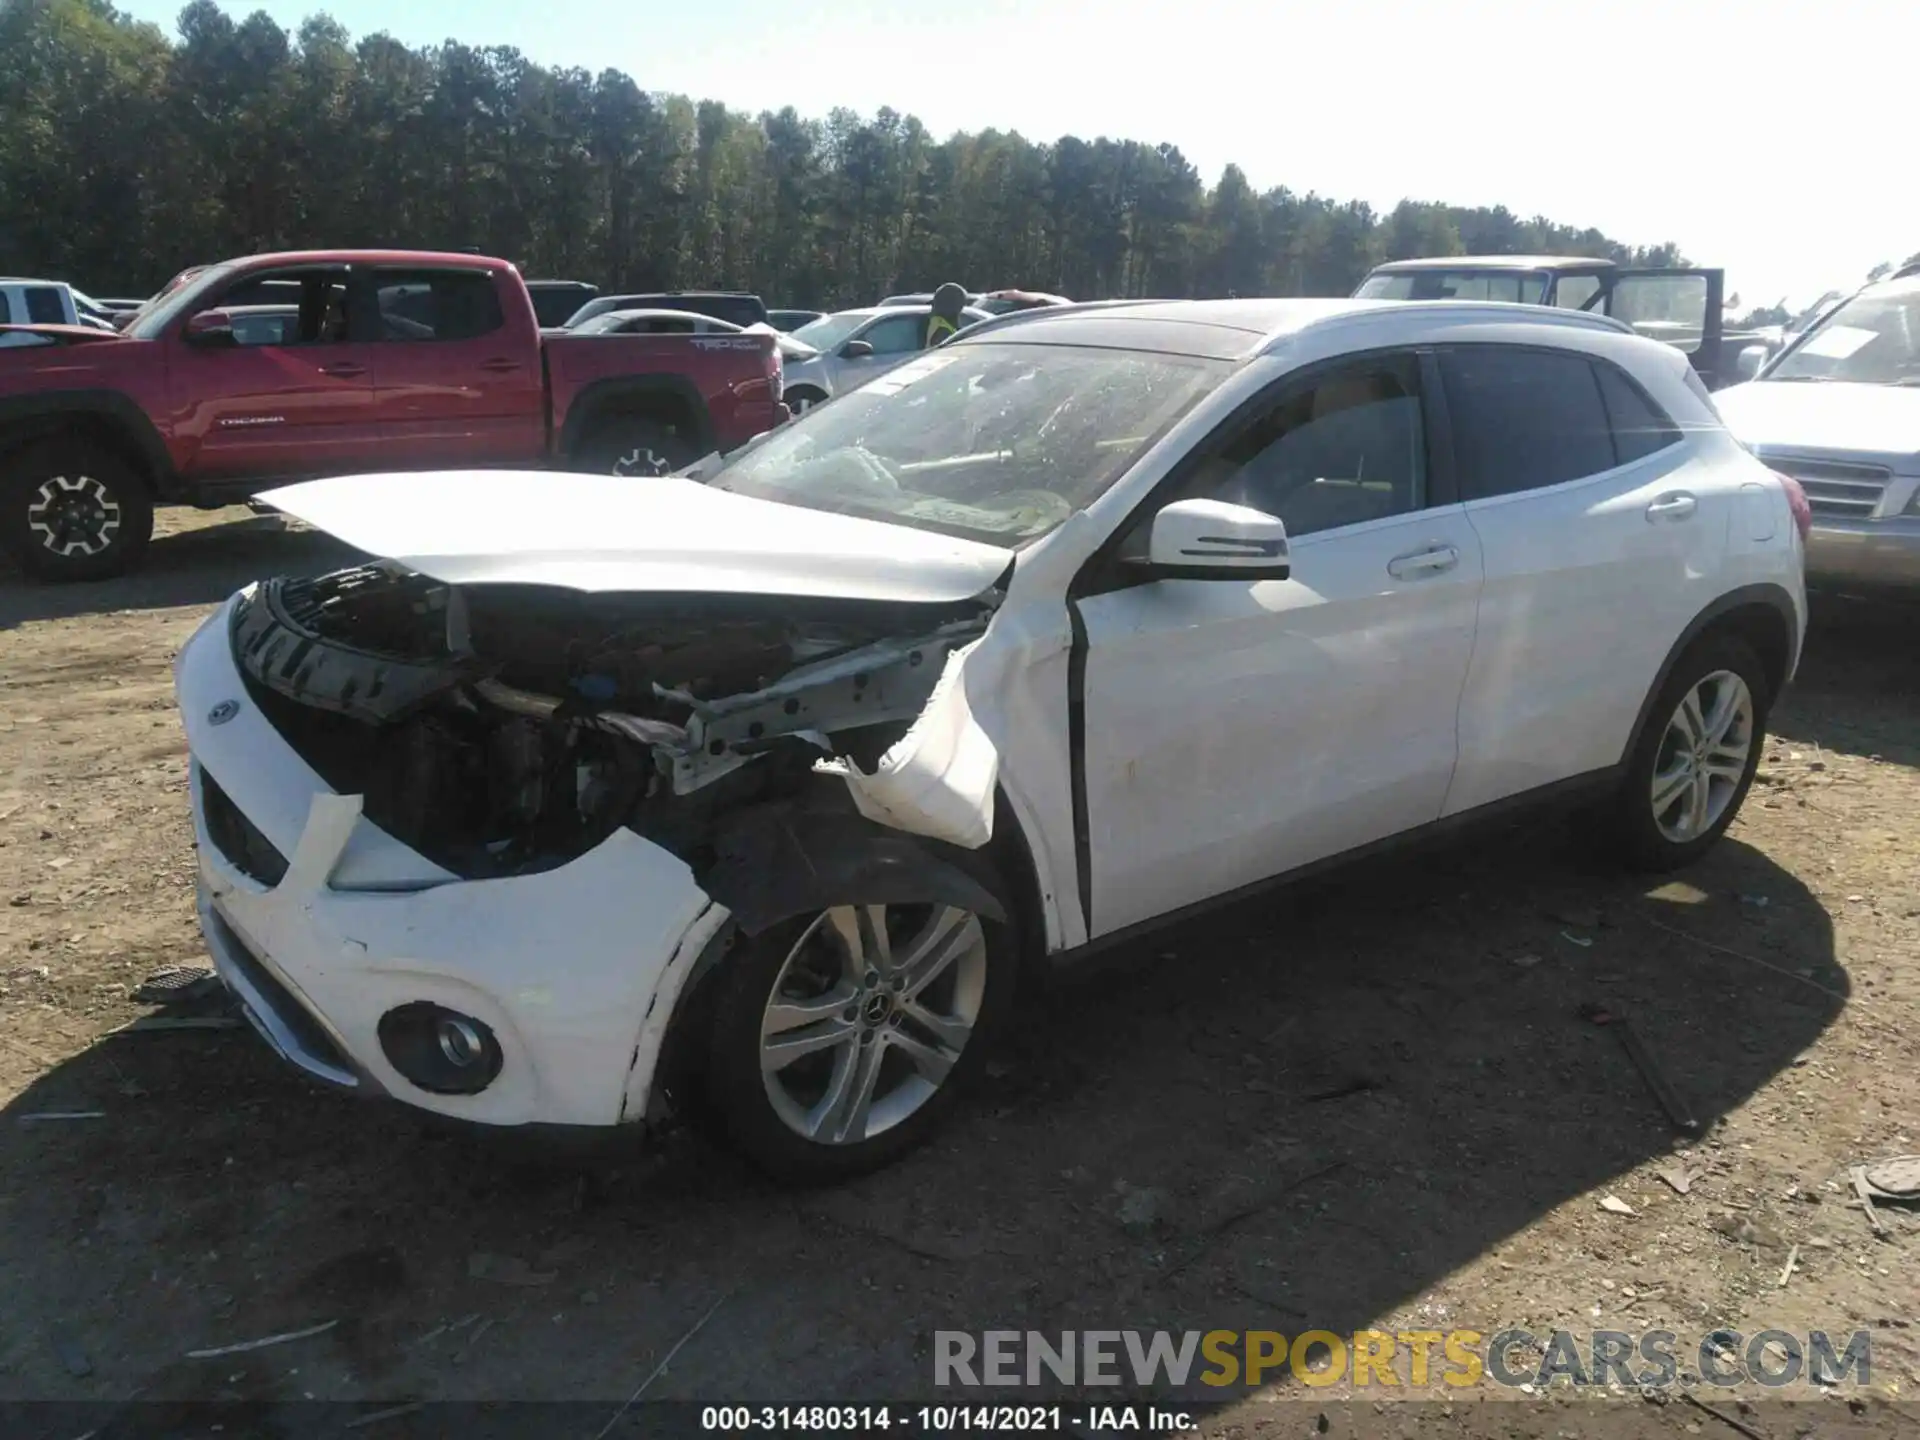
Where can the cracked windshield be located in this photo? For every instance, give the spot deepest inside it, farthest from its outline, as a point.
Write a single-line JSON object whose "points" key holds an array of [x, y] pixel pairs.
{"points": [[1000, 443]]}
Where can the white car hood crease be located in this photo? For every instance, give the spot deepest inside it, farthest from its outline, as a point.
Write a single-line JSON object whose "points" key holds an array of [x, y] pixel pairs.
{"points": [[1824, 415], [613, 533]]}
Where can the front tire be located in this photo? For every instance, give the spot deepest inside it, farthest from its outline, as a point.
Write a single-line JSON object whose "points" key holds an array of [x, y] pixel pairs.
{"points": [[803, 399], [1694, 764], [842, 1038], [70, 510]]}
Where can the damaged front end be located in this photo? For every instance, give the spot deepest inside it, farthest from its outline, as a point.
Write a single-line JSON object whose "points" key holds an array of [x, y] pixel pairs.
{"points": [[505, 729]]}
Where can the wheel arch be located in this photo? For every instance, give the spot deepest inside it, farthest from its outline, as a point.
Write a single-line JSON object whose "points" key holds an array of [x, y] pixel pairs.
{"points": [[777, 861], [672, 399], [1764, 616], [101, 417]]}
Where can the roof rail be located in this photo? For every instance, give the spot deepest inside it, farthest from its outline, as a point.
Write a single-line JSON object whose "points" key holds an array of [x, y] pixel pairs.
{"points": [[1015, 317]]}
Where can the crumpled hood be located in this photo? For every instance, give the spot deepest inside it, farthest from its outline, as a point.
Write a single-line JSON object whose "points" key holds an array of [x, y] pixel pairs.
{"points": [[634, 534], [1879, 420]]}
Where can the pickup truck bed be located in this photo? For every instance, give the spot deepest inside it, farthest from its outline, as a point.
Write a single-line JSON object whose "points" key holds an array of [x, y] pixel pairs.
{"points": [[399, 360]]}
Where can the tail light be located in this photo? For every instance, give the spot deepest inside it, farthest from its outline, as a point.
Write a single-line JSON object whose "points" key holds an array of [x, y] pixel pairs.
{"points": [[1797, 502]]}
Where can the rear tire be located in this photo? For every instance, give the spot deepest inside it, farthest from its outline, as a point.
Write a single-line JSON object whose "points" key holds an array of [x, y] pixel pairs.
{"points": [[866, 1019], [636, 446], [71, 510], [1693, 766], [803, 399]]}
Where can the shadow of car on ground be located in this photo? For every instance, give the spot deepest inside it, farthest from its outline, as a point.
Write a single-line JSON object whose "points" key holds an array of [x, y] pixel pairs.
{"points": [[1300, 1113]]}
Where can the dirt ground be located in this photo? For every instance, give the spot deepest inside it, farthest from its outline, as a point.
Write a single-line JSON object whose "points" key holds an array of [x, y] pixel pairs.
{"points": [[1371, 1103]]}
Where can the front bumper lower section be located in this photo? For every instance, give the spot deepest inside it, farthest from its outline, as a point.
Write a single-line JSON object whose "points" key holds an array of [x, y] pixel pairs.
{"points": [[574, 969]]}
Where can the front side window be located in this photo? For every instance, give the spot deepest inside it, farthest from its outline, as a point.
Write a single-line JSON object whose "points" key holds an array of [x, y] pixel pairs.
{"points": [[897, 334], [437, 304], [1523, 419], [1343, 448], [316, 312], [828, 331], [1872, 339], [1000, 443], [1576, 292]]}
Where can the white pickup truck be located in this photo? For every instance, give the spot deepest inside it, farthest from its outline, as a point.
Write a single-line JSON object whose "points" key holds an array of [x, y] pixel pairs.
{"points": [[46, 302]]}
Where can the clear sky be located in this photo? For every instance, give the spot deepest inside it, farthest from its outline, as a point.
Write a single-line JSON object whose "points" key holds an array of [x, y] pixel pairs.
{"points": [[1772, 137]]}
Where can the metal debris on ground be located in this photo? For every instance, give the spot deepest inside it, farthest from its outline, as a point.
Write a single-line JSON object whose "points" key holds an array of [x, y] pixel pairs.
{"points": [[1678, 1178], [261, 1344], [1582, 941], [1643, 1060], [660, 1369], [39, 1115], [1614, 1205], [1895, 1181], [1786, 1271]]}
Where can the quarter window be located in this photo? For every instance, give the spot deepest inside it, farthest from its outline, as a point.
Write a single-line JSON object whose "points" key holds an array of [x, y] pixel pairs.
{"points": [[44, 307], [1523, 419], [1639, 427], [1346, 448]]}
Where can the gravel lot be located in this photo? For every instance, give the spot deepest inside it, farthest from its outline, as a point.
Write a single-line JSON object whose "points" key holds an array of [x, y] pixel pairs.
{"points": [[1370, 1102]]}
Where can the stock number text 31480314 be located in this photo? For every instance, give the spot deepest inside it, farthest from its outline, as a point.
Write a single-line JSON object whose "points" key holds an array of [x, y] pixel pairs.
{"points": [[858, 1419]]}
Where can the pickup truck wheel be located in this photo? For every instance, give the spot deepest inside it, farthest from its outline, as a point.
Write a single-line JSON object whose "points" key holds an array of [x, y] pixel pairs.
{"points": [[638, 447], [841, 1038], [72, 511]]}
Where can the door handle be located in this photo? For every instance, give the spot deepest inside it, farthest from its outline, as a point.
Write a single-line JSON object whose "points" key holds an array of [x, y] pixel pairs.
{"points": [[344, 369], [1677, 506], [1430, 561], [499, 365]]}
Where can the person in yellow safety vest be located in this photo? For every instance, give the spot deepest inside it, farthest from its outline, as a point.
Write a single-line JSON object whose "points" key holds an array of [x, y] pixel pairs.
{"points": [[948, 301]]}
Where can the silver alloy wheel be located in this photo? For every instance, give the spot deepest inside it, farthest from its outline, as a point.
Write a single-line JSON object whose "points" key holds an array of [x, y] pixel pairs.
{"points": [[74, 515], [1702, 756], [800, 404], [641, 460], [868, 1016]]}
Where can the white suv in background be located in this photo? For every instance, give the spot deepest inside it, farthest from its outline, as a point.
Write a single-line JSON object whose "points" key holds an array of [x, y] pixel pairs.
{"points": [[763, 784]]}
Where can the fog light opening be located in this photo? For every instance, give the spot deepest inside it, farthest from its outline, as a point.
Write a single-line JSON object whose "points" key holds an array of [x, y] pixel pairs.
{"points": [[440, 1050]]}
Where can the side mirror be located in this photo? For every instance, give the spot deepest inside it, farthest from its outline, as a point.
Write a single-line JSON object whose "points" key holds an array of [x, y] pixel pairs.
{"points": [[856, 350], [1750, 361], [1212, 540], [209, 327]]}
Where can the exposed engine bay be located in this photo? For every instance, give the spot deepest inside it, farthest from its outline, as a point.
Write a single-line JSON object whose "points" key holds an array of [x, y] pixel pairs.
{"points": [[502, 729]]}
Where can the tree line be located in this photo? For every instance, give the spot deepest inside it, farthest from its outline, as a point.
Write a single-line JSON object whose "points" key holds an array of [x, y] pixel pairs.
{"points": [[126, 156]]}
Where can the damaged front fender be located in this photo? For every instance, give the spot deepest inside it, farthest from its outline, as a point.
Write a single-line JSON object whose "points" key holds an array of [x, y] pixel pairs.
{"points": [[777, 861]]}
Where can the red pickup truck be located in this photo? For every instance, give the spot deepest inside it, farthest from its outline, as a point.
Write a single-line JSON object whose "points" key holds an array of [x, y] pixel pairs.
{"points": [[374, 360]]}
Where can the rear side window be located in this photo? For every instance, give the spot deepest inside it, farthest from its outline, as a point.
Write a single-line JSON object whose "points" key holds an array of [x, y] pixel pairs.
{"points": [[437, 304], [1640, 428], [44, 307], [6, 309], [1523, 419]]}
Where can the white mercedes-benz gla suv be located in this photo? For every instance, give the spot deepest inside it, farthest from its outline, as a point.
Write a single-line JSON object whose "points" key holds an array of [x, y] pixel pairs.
{"points": [[761, 785]]}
